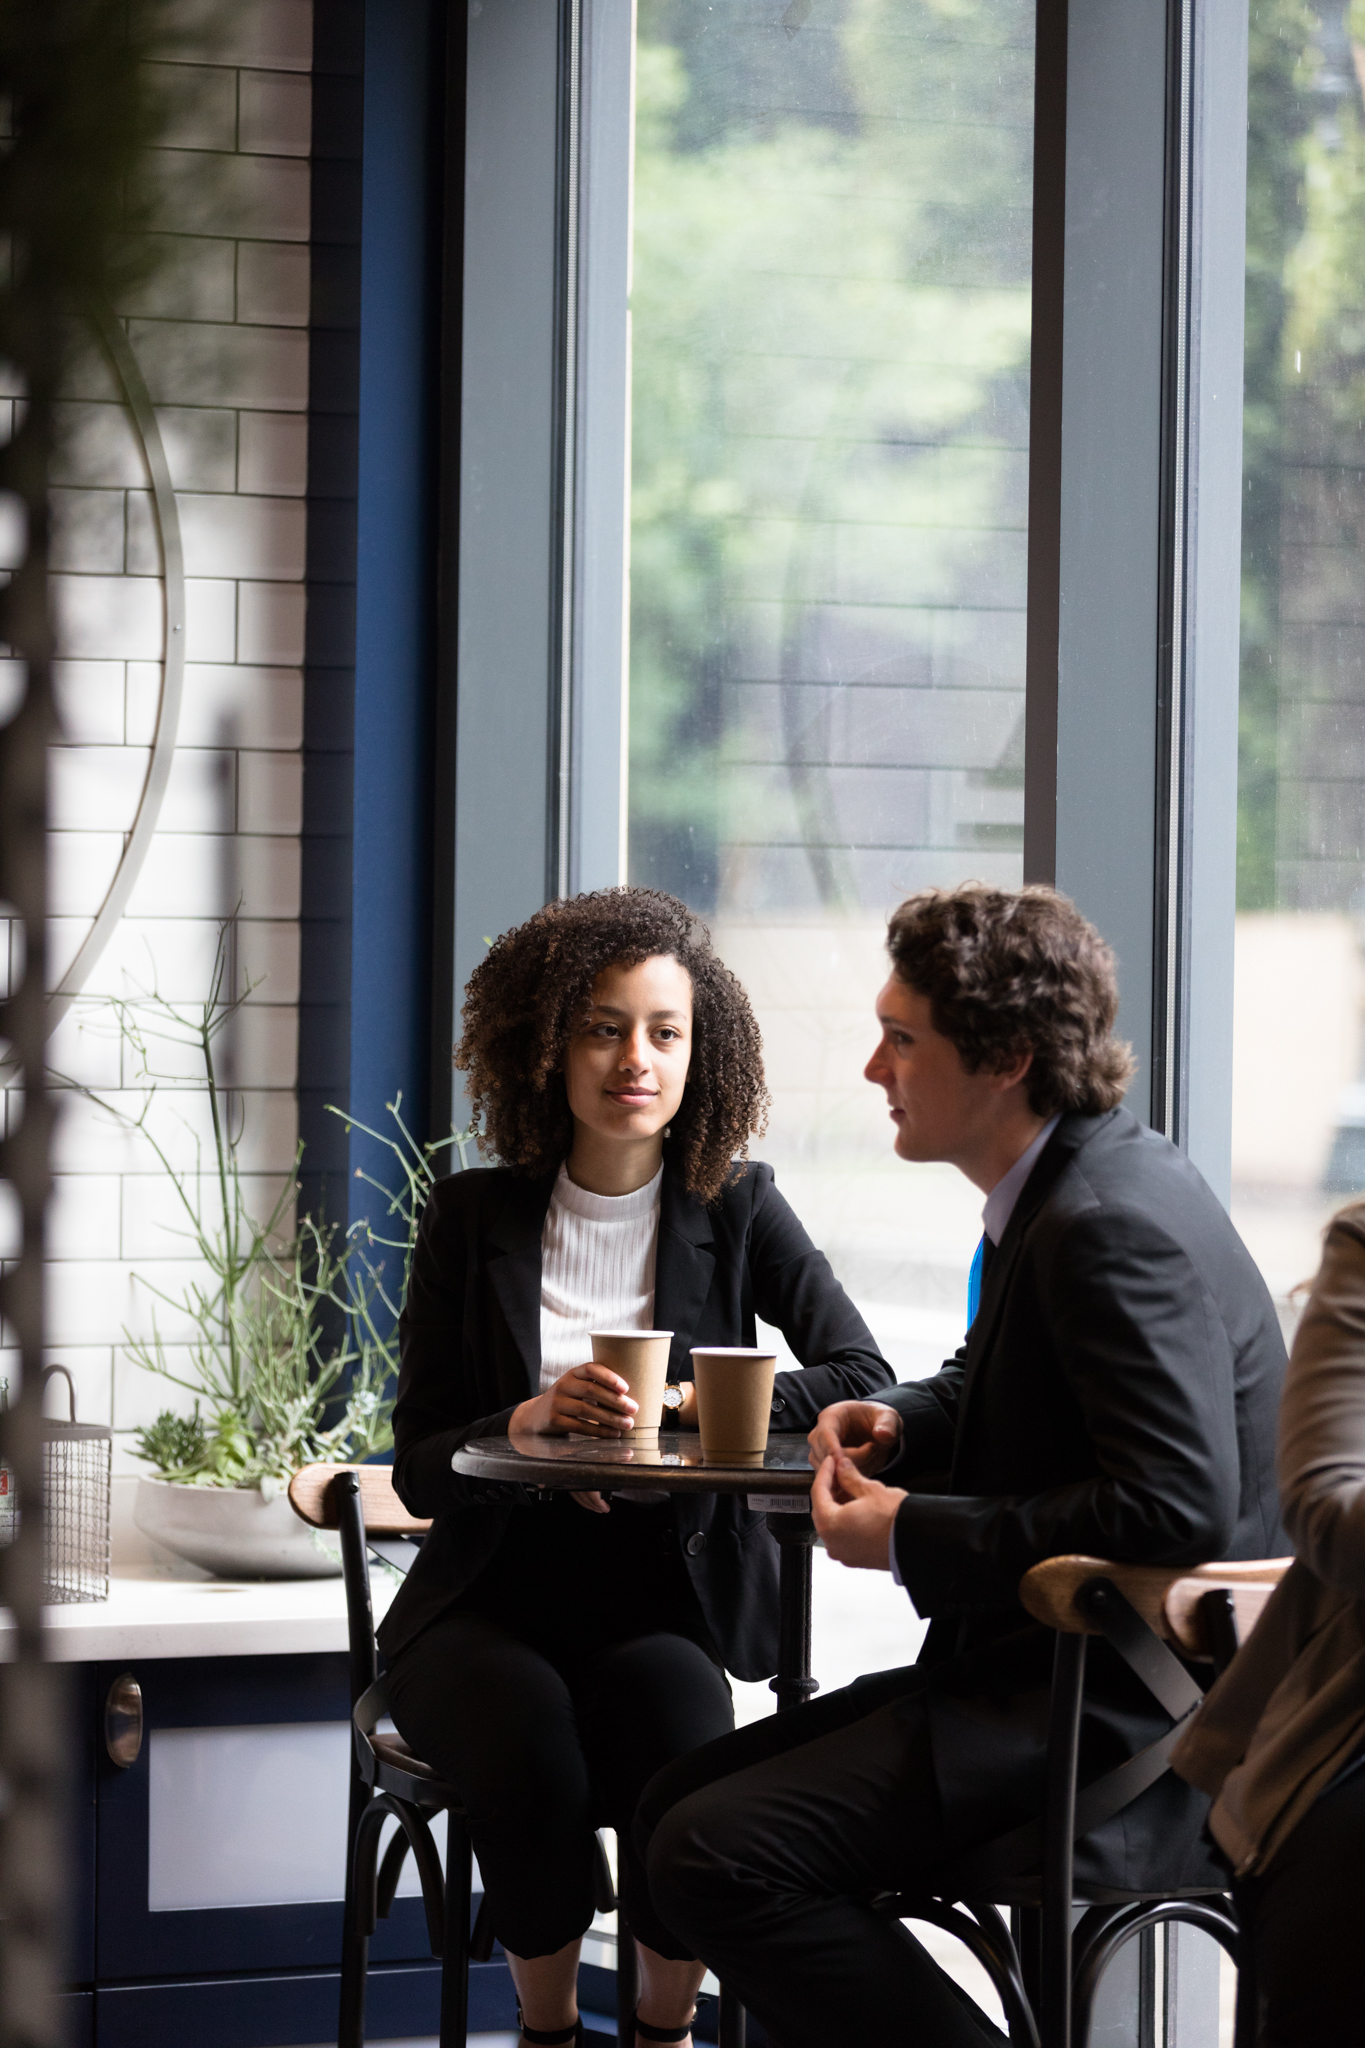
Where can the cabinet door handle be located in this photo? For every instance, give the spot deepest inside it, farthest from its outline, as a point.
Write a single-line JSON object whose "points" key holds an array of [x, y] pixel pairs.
{"points": [[123, 1721]]}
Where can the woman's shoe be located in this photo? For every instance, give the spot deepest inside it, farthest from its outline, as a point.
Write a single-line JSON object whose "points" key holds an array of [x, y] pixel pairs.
{"points": [[648, 2033], [562, 2037]]}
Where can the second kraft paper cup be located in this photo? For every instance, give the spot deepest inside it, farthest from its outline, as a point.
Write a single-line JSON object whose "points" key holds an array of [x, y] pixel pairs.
{"points": [[734, 1399], [641, 1359]]}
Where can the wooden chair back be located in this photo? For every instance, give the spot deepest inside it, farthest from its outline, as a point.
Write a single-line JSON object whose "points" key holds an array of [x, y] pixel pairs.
{"points": [[1167, 1597], [313, 1501]]}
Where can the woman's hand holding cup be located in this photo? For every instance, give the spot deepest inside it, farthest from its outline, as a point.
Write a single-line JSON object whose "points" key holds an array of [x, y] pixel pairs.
{"points": [[587, 1400]]}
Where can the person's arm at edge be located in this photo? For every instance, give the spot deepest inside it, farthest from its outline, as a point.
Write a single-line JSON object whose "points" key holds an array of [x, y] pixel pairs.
{"points": [[1322, 1419]]}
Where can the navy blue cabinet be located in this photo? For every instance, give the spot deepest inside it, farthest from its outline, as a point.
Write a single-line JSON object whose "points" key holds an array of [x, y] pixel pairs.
{"points": [[132, 1939], [180, 1932]]}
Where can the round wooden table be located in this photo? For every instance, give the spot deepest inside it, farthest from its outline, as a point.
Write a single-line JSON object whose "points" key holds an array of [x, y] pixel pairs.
{"points": [[776, 1480]]}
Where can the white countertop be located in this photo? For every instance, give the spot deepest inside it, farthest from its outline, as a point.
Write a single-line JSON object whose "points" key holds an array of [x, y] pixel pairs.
{"points": [[153, 1611]]}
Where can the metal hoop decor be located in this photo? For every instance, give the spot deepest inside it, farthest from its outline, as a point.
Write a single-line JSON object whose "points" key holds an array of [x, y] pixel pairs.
{"points": [[138, 400]]}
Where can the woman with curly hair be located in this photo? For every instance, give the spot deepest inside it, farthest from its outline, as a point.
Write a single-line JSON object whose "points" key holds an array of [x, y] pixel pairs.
{"points": [[550, 1653]]}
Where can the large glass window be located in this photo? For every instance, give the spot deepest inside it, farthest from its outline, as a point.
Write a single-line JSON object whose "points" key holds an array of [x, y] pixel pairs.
{"points": [[829, 445], [1298, 1098]]}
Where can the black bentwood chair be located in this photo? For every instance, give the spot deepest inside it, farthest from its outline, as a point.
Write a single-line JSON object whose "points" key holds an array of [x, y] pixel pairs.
{"points": [[389, 1782], [1045, 1963]]}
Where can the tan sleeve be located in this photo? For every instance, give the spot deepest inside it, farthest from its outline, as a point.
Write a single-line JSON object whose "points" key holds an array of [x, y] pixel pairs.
{"points": [[1321, 1457]]}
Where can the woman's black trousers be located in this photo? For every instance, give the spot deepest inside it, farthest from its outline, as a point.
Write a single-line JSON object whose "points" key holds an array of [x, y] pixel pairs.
{"points": [[576, 1668]]}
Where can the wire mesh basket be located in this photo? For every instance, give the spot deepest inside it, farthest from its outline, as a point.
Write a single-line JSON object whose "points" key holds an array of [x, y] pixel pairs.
{"points": [[77, 1468]]}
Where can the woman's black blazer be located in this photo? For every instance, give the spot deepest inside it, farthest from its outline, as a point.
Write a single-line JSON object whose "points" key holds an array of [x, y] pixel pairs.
{"points": [[470, 1350]]}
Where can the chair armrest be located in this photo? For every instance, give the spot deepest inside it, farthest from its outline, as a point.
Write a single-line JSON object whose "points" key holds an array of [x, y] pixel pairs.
{"points": [[1166, 1596], [310, 1496], [1250, 1585]]}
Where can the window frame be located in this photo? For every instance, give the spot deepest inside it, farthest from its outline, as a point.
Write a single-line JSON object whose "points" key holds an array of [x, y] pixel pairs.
{"points": [[1133, 592]]}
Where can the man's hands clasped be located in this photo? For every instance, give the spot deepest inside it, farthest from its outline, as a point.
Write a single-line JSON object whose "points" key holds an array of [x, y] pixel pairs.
{"points": [[854, 1513], [867, 1433]]}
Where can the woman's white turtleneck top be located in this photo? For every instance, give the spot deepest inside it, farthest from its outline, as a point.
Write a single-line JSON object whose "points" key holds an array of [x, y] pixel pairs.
{"points": [[597, 1269]]}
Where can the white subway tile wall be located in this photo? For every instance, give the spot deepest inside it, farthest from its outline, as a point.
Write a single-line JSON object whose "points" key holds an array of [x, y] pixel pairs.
{"points": [[220, 333]]}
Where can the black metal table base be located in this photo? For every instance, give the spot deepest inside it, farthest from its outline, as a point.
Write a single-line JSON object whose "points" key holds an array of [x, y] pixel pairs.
{"points": [[793, 1684]]}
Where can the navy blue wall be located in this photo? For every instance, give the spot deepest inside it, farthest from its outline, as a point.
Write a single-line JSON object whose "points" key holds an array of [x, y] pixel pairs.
{"points": [[329, 666], [365, 999], [399, 306]]}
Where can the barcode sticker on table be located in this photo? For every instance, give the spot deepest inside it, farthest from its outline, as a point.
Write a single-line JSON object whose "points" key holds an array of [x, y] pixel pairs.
{"points": [[780, 1503]]}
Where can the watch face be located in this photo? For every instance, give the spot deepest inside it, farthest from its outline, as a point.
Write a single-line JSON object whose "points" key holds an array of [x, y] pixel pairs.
{"points": [[673, 1397]]}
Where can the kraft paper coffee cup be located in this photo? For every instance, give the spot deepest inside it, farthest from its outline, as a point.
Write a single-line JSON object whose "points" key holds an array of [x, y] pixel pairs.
{"points": [[734, 1400], [641, 1359]]}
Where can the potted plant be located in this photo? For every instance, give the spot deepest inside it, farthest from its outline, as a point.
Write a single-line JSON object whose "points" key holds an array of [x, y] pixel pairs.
{"points": [[293, 1354]]}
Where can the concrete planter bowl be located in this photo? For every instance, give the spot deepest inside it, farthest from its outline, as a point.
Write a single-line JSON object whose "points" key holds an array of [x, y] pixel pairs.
{"points": [[234, 1532]]}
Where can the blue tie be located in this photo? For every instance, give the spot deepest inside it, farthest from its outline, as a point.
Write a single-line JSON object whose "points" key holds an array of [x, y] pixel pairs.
{"points": [[974, 1281]]}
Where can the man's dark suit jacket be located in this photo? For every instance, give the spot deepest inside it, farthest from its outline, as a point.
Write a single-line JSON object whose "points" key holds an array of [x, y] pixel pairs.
{"points": [[1117, 1397], [470, 1348]]}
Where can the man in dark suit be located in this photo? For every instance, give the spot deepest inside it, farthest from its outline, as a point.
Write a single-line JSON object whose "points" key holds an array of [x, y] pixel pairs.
{"points": [[1116, 1396]]}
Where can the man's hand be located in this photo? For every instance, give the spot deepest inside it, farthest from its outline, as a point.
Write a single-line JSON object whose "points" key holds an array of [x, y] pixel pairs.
{"points": [[863, 1431], [854, 1516]]}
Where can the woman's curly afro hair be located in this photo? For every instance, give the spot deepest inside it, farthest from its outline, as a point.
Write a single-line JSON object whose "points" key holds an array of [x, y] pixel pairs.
{"points": [[530, 993], [1013, 971]]}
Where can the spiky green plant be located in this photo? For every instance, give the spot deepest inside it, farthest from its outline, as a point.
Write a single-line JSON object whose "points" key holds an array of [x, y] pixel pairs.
{"points": [[293, 1349], [377, 1302]]}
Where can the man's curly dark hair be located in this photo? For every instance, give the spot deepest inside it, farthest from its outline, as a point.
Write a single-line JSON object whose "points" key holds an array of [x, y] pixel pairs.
{"points": [[1013, 971], [531, 991]]}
